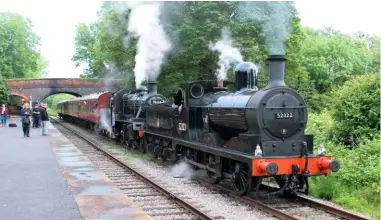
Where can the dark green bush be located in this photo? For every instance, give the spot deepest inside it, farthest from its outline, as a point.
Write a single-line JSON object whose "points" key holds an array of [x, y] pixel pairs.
{"points": [[356, 110]]}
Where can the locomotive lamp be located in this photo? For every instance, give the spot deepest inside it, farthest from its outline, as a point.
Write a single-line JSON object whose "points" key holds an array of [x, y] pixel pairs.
{"points": [[321, 150], [258, 151]]}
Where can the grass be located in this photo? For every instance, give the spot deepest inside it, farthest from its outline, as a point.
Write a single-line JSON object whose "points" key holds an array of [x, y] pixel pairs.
{"points": [[362, 199], [129, 154]]}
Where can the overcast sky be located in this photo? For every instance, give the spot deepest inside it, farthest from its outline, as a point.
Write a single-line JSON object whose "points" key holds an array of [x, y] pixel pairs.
{"points": [[54, 22]]}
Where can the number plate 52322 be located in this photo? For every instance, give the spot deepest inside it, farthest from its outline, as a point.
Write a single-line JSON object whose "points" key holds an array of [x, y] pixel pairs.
{"points": [[284, 115]]}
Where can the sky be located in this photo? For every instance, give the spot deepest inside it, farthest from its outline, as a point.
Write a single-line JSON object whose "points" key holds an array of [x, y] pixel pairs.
{"points": [[55, 21]]}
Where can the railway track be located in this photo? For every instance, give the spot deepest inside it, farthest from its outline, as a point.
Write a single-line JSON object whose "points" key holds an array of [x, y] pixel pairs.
{"points": [[281, 208], [157, 201], [289, 206]]}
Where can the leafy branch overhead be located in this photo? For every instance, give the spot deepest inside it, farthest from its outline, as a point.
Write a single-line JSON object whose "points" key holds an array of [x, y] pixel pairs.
{"points": [[19, 55], [108, 49]]}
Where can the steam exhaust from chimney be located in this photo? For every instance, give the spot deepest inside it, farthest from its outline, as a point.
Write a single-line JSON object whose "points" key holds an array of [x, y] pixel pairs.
{"points": [[277, 64], [152, 87]]}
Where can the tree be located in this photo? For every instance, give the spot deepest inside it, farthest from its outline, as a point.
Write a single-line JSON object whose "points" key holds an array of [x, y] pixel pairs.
{"points": [[4, 91], [19, 57], [102, 45], [332, 57], [42, 66]]}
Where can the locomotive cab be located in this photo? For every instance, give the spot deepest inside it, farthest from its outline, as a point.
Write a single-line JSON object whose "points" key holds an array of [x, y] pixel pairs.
{"points": [[178, 100]]}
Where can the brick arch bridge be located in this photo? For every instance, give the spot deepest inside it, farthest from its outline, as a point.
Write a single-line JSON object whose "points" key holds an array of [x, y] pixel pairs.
{"points": [[39, 89]]}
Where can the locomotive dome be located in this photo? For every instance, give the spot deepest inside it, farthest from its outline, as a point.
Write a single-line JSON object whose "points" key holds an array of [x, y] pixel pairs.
{"points": [[246, 76]]}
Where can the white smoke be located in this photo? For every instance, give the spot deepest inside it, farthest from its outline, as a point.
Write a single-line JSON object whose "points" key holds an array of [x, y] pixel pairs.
{"points": [[182, 169], [105, 119], [229, 54], [276, 18], [152, 45]]}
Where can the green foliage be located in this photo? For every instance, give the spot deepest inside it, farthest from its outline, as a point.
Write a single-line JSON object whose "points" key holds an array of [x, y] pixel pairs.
{"points": [[356, 110], [104, 45], [357, 184], [107, 48], [332, 57], [52, 101], [19, 57], [4, 91]]}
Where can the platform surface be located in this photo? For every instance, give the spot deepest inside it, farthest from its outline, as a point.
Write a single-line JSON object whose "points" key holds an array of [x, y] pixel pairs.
{"points": [[47, 177], [32, 185]]}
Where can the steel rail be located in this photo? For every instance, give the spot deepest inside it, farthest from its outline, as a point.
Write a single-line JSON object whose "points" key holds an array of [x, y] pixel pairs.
{"points": [[332, 210], [247, 200]]}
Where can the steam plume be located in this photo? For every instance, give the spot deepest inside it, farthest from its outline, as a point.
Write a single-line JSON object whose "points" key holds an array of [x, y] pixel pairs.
{"points": [[276, 19], [144, 23], [229, 54], [105, 120], [182, 169]]}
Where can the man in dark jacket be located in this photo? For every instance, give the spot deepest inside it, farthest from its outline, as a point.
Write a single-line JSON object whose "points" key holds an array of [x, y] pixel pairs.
{"points": [[44, 119], [36, 116], [26, 114]]}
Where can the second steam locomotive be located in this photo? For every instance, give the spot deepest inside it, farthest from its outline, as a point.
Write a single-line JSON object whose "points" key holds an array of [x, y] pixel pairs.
{"points": [[245, 135]]}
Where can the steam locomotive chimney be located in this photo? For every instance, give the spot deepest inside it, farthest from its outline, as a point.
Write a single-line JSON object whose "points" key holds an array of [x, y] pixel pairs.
{"points": [[152, 87], [277, 65], [220, 84]]}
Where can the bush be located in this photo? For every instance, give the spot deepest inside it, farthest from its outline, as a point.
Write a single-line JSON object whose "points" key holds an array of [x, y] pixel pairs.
{"points": [[319, 125], [357, 184], [356, 110]]}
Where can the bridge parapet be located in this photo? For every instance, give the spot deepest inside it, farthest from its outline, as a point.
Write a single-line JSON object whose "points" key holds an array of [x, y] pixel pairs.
{"points": [[39, 89], [60, 83]]}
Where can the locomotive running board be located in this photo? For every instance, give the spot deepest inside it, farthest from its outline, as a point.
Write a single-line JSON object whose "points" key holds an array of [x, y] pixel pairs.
{"points": [[227, 153]]}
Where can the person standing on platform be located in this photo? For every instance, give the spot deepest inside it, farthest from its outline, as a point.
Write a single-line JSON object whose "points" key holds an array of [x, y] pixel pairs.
{"points": [[26, 114], [4, 115], [44, 119], [36, 116]]}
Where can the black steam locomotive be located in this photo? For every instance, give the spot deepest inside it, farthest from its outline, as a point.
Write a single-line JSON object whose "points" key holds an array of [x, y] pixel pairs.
{"points": [[244, 136], [128, 112]]}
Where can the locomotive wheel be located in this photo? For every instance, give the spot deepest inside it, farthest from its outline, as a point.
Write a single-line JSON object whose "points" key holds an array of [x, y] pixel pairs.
{"points": [[240, 180]]}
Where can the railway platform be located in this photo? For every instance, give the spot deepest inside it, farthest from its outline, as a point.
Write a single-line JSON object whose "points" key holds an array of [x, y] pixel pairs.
{"points": [[47, 177]]}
